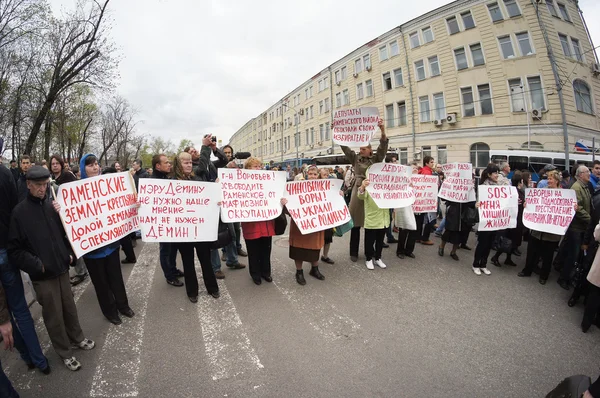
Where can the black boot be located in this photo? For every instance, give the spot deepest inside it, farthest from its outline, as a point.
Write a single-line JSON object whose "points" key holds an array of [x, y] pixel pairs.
{"points": [[509, 261], [314, 271], [300, 277], [495, 260]]}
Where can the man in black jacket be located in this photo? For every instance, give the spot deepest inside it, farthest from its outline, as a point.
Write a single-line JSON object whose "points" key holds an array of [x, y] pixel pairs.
{"points": [[22, 190], [38, 245]]}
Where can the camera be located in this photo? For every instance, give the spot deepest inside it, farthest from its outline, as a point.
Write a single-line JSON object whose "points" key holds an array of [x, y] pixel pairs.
{"points": [[213, 138]]}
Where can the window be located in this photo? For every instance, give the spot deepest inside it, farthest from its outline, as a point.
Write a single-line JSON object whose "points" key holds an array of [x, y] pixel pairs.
{"points": [[420, 70], [321, 107], [439, 107], [576, 50], [338, 100], [321, 133], [359, 91], [425, 112], [512, 8], [327, 104], [367, 61], [307, 137], [402, 113], [326, 82], [358, 66], [506, 46], [467, 100], [344, 72], [442, 154], [310, 91], [536, 92], [414, 40], [480, 154], [346, 97], [524, 44], [551, 8], [427, 35], [516, 95], [398, 78], [369, 87], [434, 65], [563, 11], [461, 58], [477, 54], [389, 116], [321, 86], [312, 135], [564, 42], [306, 114], [338, 76], [311, 111], [387, 81], [485, 99], [383, 53], [403, 156], [583, 98], [394, 50], [495, 12], [327, 131], [467, 19], [452, 25]]}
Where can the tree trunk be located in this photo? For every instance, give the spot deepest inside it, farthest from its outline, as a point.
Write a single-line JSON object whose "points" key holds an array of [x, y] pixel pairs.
{"points": [[47, 137], [39, 120]]}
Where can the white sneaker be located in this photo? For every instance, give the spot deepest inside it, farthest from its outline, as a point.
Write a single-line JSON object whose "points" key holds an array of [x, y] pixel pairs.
{"points": [[370, 264], [486, 271], [477, 270], [72, 364], [380, 263]]}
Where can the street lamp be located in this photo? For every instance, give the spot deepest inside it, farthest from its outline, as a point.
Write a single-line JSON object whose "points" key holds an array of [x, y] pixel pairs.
{"points": [[296, 141]]}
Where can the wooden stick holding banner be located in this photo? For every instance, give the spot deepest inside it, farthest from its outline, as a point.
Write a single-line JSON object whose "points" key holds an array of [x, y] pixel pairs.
{"points": [[355, 127], [389, 185], [498, 207], [549, 210]]}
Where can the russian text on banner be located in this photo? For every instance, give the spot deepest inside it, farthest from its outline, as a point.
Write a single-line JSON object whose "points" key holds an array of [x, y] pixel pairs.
{"points": [[251, 195], [316, 205], [458, 183], [426, 193], [389, 185], [549, 210], [98, 211], [178, 210], [498, 207], [355, 127]]}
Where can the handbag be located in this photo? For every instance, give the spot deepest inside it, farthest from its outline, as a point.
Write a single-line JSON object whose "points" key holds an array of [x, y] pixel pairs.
{"points": [[405, 218], [280, 224], [502, 244], [340, 230], [225, 235], [571, 387], [470, 216]]}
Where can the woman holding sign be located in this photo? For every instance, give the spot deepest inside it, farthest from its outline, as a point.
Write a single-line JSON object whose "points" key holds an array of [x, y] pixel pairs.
{"points": [[377, 221], [485, 239]]}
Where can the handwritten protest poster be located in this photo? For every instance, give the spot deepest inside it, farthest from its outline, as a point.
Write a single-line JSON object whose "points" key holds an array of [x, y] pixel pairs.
{"points": [[389, 185], [426, 191], [178, 211], [98, 211], [549, 210], [498, 207], [458, 183], [316, 205], [355, 127], [251, 195]]}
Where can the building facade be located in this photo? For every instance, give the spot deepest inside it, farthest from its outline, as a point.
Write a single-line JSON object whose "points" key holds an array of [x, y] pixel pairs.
{"points": [[454, 83]]}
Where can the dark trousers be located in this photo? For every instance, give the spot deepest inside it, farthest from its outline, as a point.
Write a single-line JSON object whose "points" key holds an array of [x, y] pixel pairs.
{"points": [[374, 243], [537, 248], [423, 229], [354, 241], [127, 247], [168, 260], [259, 256], [59, 313], [389, 233], [406, 241], [237, 227], [485, 239], [464, 234], [6, 388], [108, 282], [592, 304], [189, 269], [571, 252]]}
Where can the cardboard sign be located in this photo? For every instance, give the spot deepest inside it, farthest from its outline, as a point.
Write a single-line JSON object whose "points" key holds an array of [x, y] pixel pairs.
{"points": [[426, 193], [549, 210], [458, 183], [251, 195], [355, 127], [316, 205], [178, 211], [389, 185], [498, 207], [98, 211]]}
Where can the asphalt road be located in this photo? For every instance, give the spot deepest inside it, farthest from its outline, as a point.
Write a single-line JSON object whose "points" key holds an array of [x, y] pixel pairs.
{"points": [[424, 327]]}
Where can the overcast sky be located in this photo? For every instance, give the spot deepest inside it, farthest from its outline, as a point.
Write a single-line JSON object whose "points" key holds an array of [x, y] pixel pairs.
{"points": [[194, 67]]}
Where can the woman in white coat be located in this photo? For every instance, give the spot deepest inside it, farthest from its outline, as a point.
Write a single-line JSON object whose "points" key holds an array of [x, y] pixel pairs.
{"points": [[593, 300]]}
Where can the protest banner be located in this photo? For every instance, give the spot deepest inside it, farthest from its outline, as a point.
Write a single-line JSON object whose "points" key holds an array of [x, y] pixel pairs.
{"points": [[498, 207], [426, 193], [389, 185], [97, 211], [355, 127], [178, 210], [251, 195], [316, 205], [549, 210], [458, 183]]}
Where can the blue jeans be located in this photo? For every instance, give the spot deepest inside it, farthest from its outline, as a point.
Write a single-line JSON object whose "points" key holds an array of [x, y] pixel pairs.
{"points": [[215, 260], [571, 252], [168, 260], [26, 340], [441, 227], [6, 388]]}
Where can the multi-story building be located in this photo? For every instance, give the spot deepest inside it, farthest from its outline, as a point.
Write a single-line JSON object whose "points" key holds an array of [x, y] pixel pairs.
{"points": [[468, 77]]}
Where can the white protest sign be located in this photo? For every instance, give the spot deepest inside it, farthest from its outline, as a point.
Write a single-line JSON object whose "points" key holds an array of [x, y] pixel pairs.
{"points": [[316, 205], [498, 207], [355, 127], [97, 211], [389, 185], [251, 195], [549, 210], [178, 210], [458, 183], [426, 193]]}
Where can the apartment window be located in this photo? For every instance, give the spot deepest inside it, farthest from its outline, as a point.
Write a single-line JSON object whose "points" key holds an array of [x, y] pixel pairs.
{"points": [[387, 81], [439, 109], [480, 154], [427, 35], [398, 78], [495, 12], [403, 154], [551, 8], [576, 50], [327, 104], [344, 72], [564, 42], [512, 8], [517, 98], [306, 114], [467, 100], [369, 87], [394, 48], [467, 19], [383, 53], [327, 131], [420, 68], [321, 107], [310, 91], [358, 66], [338, 76], [321, 86], [338, 100], [452, 25], [367, 61], [477, 54], [442, 154], [414, 40], [402, 113], [485, 99], [311, 111], [321, 133], [524, 44], [389, 116], [346, 97], [563, 11], [536, 92], [506, 46], [426, 151], [312, 135], [326, 81], [461, 58], [425, 111], [359, 91], [434, 65]]}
